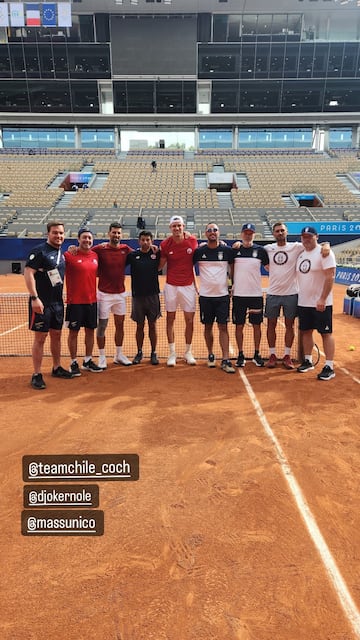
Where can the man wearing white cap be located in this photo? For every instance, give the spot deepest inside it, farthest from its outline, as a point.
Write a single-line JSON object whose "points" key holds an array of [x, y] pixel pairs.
{"points": [[177, 252]]}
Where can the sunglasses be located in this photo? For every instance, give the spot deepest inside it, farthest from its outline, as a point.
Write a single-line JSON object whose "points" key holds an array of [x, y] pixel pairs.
{"points": [[212, 229]]}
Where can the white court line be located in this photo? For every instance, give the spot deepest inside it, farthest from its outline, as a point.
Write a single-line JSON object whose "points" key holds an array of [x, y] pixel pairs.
{"points": [[20, 326], [348, 605], [349, 374]]}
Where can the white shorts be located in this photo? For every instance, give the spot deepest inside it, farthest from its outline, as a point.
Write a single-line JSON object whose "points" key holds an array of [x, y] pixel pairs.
{"points": [[111, 303], [183, 297]]}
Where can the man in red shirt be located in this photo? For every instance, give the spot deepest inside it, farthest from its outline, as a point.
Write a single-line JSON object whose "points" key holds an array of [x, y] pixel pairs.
{"points": [[177, 251], [81, 310], [111, 292]]}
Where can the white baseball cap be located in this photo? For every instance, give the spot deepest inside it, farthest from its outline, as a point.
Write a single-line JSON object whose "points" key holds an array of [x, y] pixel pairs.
{"points": [[176, 219]]}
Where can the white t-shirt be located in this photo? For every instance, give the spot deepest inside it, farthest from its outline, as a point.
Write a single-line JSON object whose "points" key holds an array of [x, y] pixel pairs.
{"points": [[310, 270], [247, 270], [282, 268]]}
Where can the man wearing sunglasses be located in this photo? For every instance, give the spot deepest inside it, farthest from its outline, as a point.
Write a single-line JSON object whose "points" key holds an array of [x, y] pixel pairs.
{"points": [[215, 265]]}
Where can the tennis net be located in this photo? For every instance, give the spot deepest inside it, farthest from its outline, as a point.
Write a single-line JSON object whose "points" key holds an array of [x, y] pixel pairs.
{"points": [[16, 339]]}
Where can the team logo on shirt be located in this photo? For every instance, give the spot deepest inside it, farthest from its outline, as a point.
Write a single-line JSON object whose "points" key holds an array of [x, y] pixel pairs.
{"points": [[153, 256], [32, 256], [137, 257], [189, 250], [281, 257], [220, 255], [304, 266], [204, 256], [255, 253]]}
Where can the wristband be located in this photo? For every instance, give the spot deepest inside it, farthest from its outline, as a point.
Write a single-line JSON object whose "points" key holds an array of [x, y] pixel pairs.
{"points": [[34, 297]]}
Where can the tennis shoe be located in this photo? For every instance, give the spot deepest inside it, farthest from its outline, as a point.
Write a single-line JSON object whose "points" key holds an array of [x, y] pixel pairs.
{"points": [[227, 366], [75, 369], [102, 362], [37, 381], [288, 363], [271, 363], [171, 361], [138, 357], [153, 358], [60, 372], [211, 361], [122, 360], [189, 358], [305, 366], [91, 366], [240, 362], [327, 373], [257, 359]]}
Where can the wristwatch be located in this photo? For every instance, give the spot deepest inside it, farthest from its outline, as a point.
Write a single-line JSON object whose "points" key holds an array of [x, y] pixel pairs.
{"points": [[34, 297]]}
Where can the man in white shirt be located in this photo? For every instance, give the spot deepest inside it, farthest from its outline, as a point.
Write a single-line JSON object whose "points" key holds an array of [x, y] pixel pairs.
{"points": [[215, 265], [315, 276], [282, 291]]}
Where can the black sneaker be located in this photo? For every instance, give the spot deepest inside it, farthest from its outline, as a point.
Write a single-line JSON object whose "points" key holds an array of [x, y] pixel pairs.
{"points": [[91, 366], [257, 359], [59, 372], [211, 361], [138, 357], [306, 365], [240, 362], [327, 373], [227, 366], [75, 370], [153, 358], [37, 381]]}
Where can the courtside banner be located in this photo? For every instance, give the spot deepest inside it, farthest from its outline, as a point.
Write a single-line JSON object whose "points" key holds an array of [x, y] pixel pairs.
{"points": [[342, 227], [17, 18], [4, 15], [64, 14], [347, 275]]}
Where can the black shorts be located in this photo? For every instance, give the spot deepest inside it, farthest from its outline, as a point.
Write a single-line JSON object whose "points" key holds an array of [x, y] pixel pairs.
{"points": [[310, 318], [81, 315], [145, 307], [52, 318], [241, 304], [212, 309]]}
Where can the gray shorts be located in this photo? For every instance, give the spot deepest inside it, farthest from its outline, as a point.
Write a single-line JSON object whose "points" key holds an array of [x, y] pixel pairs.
{"points": [[274, 304], [145, 307]]}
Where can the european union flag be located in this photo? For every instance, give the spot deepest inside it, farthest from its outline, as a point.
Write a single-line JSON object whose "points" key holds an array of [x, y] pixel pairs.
{"points": [[49, 14]]}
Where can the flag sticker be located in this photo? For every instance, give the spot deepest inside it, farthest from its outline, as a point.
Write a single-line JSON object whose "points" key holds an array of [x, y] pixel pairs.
{"points": [[49, 14], [32, 15]]}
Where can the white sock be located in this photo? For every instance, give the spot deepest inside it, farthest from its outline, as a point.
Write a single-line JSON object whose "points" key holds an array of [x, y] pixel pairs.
{"points": [[287, 351], [272, 351], [101, 352], [172, 347], [73, 361], [188, 348], [309, 358], [329, 363], [87, 358], [119, 351]]}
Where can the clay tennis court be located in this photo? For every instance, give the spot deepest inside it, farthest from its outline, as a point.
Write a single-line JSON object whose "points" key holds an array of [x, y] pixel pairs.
{"points": [[244, 524]]}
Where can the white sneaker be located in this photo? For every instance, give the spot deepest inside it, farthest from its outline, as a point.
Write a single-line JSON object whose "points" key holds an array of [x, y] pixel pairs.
{"points": [[122, 360], [189, 358], [102, 362], [171, 361]]}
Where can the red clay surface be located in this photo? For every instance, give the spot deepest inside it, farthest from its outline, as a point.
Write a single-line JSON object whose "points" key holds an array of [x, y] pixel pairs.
{"points": [[209, 543]]}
